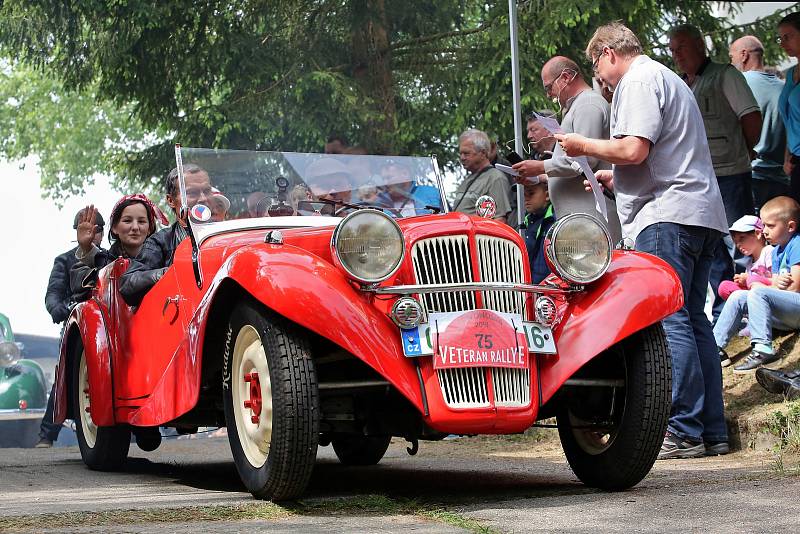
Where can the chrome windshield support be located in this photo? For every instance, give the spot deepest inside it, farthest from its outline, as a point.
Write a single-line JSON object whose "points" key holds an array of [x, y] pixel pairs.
{"points": [[470, 286]]}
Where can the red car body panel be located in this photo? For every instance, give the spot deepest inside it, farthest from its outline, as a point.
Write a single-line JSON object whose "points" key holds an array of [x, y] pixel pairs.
{"points": [[155, 354]]}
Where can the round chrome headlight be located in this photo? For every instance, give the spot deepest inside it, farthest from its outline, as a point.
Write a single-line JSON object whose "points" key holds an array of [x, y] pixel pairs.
{"points": [[369, 245], [578, 248]]}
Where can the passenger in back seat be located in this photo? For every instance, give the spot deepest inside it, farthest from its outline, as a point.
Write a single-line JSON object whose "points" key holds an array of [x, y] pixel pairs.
{"points": [[158, 250], [133, 219]]}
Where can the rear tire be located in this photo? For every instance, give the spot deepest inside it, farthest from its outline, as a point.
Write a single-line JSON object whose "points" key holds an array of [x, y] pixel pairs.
{"points": [[271, 403], [102, 448], [360, 450], [618, 454]]}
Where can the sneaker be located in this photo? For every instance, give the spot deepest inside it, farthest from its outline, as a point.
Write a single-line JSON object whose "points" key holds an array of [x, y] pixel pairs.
{"points": [[754, 361], [675, 447], [779, 382], [744, 332], [44, 443], [724, 359], [717, 448]]}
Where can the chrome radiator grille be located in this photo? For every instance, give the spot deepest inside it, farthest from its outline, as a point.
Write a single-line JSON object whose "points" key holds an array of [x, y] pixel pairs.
{"points": [[443, 260], [464, 388], [512, 387], [446, 259], [500, 260]]}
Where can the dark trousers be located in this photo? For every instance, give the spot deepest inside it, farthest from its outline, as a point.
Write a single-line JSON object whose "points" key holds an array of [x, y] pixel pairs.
{"points": [[794, 179], [48, 429], [764, 190], [697, 408], [737, 197]]}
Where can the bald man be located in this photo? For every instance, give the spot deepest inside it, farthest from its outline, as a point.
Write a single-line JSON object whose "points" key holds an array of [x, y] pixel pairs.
{"points": [[586, 113], [769, 180]]}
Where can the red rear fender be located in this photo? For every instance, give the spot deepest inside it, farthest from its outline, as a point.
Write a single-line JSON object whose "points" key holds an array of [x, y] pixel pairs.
{"points": [[638, 290], [86, 325]]}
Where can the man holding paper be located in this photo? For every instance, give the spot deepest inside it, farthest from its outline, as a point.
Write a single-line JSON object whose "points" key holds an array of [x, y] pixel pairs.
{"points": [[587, 113], [669, 203]]}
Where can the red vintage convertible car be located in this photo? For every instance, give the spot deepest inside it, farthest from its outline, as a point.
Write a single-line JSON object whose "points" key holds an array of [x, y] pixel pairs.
{"points": [[331, 299]]}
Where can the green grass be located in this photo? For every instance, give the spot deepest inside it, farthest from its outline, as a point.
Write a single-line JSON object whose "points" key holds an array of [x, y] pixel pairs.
{"points": [[362, 505]]}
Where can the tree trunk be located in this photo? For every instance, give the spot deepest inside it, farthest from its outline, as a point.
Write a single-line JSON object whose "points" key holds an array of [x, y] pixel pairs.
{"points": [[372, 70]]}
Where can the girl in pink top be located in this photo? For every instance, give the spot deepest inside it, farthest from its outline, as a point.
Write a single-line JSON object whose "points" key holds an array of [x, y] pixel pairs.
{"points": [[747, 234]]}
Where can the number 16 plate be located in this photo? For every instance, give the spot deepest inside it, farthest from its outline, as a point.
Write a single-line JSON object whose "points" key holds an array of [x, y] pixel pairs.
{"points": [[419, 341]]}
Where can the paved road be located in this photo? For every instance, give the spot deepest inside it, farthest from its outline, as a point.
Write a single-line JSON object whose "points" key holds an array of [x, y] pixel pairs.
{"points": [[507, 485]]}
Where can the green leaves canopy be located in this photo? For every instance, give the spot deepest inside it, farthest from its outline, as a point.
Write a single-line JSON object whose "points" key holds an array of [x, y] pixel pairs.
{"points": [[394, 77]]}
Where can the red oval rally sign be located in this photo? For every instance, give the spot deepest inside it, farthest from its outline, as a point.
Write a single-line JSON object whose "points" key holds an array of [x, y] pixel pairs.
{"points": [[479, 338]]}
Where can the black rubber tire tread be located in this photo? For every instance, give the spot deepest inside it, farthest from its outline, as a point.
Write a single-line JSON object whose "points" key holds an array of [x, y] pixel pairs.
{"points": [[360, 450], [110, 451], [644, 421], [295, 400]]}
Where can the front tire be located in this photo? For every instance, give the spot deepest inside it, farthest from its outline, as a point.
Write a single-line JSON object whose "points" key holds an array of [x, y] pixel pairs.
{"points": [[102, 448], [360, 450], [271, 403], [611, 437]]}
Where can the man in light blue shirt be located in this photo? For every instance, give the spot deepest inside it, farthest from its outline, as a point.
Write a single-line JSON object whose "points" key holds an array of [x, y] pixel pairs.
{"points": [[669, 203], [769, 180]]}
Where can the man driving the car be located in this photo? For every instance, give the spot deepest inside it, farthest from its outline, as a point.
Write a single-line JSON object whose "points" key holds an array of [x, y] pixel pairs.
{"points": [[158, 250], [330, 180]]}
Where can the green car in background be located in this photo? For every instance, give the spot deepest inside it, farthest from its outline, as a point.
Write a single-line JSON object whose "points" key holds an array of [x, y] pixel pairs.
{"points": [[23, 392]]}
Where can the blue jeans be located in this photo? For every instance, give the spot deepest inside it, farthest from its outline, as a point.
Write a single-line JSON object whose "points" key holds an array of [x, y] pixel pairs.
{"points": [[737, 197], [770, 307], [730, 320], [697, 408]]}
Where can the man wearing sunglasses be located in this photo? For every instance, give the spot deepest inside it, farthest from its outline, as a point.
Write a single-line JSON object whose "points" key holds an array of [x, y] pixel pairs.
{"points": [[670, 205], [587, 113]]}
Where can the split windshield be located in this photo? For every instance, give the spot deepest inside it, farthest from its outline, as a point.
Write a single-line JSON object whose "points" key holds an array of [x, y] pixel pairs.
{"points": [[224, 185]]}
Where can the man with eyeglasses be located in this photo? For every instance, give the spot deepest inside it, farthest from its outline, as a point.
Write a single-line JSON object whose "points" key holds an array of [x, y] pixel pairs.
{"points": [[158, 250], [586, 113], [732, 120], [670, 206], [769, 180]]}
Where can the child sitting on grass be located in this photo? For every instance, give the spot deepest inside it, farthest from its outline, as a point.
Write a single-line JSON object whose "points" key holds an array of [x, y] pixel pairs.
{"points": [[777, 306], [748, 235]]}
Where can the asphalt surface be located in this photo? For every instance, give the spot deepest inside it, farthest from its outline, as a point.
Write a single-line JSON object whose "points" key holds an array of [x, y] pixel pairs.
{"points": [[504, 485]]}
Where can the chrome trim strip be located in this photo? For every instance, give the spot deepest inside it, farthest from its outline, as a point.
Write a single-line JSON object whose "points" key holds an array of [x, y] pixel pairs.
{"points": [[354, 384], [470, 286]]}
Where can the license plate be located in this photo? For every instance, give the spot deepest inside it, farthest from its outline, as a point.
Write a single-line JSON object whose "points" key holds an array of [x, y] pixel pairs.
{"points": [[419, 341]]}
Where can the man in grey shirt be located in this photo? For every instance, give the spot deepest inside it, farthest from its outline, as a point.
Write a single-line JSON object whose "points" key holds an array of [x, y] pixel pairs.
{"points": [[483, 179], [670, 204], [769, 180], [587, 113]]}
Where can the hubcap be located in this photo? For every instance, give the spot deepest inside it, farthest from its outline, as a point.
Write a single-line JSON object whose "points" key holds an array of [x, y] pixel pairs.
{"points": [[252, 396], [84, 406]]}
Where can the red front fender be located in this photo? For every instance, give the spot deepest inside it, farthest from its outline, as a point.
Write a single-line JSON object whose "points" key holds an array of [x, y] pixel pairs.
{"points": [[292, 281], [87, 322], [637, 291]]}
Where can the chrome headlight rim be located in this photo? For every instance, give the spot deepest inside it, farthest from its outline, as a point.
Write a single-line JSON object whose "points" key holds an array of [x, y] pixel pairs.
{"points": [[337, 233], [552, 260]]}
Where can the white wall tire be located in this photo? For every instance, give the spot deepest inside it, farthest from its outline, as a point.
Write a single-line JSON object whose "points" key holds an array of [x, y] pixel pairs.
{"points": [[102, 448], [271, 402]]}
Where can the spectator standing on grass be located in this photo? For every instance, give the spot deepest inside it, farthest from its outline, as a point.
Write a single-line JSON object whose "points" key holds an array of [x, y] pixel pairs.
{"points": [[669, 204], [769, 180], [732, 121], [483, 179], [586, 113], [789, 104]]}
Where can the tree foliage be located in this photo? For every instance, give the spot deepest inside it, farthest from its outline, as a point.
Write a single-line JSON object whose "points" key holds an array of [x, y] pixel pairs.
{"points": [[394, 77]]}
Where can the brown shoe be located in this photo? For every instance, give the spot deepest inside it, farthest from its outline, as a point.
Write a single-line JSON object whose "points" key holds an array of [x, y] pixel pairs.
{"points": [[44, 443]]}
